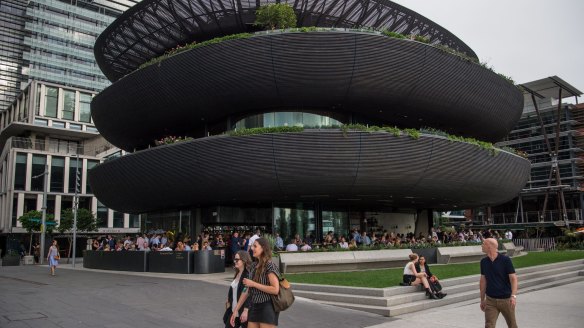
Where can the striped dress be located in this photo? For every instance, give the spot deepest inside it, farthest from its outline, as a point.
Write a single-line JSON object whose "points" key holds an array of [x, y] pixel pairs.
{"points": [[257, 296]]}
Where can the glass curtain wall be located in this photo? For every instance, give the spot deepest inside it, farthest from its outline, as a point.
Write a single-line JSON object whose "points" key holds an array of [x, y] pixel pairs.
{"points": [[306, 120], [292, 219], [57, 174]]}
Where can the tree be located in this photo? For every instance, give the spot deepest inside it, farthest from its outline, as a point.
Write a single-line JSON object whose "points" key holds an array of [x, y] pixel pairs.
{"points": [[86, 222], [31, 221], [276, 16]]}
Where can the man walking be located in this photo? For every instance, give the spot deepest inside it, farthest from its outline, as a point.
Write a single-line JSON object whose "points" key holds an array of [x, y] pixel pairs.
{"points": [[498, 285]]}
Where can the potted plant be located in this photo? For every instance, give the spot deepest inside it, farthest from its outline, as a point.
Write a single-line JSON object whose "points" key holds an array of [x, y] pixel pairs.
{"points": [[12, 258]]}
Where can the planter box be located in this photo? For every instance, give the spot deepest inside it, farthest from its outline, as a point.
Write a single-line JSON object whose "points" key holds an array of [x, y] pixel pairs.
{"points": [[28, 260], [295, 262], [120, 261], [209, 261], [170, 262], [431, 254], [11, 260]]}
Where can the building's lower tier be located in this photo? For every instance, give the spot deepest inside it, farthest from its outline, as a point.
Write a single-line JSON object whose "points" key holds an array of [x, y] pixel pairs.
{"points": [[315, 165]]}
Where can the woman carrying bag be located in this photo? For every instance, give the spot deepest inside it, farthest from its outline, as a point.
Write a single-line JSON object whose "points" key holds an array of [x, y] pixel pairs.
{"points": [[422, 267], [53, 257], [241, 262], [263, 283]]}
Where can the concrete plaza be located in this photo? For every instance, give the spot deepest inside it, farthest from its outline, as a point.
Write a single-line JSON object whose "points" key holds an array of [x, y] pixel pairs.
{"points": [[30, 297]]}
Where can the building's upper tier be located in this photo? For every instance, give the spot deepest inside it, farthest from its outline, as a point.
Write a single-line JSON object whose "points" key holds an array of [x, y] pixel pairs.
{"points": [[152, 27]]}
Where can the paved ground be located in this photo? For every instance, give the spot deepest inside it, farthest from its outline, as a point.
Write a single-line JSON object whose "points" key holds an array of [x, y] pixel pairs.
{"points": [[29, 297]]}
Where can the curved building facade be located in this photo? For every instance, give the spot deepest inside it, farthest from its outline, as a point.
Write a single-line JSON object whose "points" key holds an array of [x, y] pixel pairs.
{"points": [[319, 79]]}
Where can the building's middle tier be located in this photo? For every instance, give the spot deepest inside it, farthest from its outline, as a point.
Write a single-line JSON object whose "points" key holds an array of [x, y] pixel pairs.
{"points": [[363, 77]]}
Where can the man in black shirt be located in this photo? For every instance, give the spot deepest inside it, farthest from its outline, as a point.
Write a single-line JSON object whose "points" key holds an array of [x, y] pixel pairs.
{"points": [[498, 286]]}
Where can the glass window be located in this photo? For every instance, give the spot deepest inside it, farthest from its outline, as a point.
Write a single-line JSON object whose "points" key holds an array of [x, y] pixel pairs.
{"points": [[289, 221], [84, 107], [101, 215], [20, 172], [337, 222], [37, 108], [135, 221], [68, 105], [90, 164], [14, 210], [51, 96], [74, 126], [38, 168], [73, 174], [39, 121], [57, 173], [57, 124], [275, 119], [91, 129], [118, 219]]}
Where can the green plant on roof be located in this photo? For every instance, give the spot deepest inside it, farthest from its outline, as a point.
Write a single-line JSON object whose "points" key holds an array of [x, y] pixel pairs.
{"points": [[276, 16]]}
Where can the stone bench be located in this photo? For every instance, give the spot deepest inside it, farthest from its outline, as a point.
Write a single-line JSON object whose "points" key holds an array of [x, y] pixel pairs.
{"points": [[295, 262], [459, 254]]}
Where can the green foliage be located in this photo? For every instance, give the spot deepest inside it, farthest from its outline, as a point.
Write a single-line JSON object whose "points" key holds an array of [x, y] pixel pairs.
{"points": [[31, 221], [420, 38], [271, 240], [413, 133], [392, 277], [86, 221], [276, 16], [394, 35], [278, 129], [194, 45], [308, 29], [171, 140]]}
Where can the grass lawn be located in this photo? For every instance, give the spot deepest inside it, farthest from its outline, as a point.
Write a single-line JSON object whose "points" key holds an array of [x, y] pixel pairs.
{"points": [[392, 277]]}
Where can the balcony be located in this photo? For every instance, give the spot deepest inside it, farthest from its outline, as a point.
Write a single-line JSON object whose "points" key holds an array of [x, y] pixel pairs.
{"points": [[59, 146]]}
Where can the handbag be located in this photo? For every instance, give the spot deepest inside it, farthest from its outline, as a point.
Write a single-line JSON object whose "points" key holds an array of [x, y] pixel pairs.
{"points": [[285, 297], [435, 284], [57, 257]]}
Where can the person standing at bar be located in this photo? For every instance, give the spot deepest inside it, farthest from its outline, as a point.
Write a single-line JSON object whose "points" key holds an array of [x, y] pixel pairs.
{"points": [[498, 285]]}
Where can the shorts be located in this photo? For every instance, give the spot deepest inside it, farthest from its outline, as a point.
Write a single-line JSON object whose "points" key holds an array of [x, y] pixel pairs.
{"points": [[264, 313], [408, 279]]}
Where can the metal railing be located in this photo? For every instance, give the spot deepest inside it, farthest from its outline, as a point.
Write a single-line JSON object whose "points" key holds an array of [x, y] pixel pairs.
{"points": [[530, 217], [536, 244], [55, 146]]}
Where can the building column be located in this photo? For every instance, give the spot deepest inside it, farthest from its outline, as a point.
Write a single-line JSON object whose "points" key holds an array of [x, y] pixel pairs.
{"points": [[58, 208], [126, 220], [19, 208], [110, 218]]}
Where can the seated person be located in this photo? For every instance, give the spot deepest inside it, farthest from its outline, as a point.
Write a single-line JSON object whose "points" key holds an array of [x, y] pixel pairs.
{"points": [[422, 267], [206, 246], [166, 248], [413, 278], [343, 243], [306, 247], [292, 247]]}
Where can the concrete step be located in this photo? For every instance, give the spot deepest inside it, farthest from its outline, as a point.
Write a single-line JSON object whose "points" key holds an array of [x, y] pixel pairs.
{"points": [[410, 294], [417, 301]]}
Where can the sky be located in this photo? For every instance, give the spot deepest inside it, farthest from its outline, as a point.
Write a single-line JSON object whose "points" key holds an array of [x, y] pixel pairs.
{"points": [[525, 39]]}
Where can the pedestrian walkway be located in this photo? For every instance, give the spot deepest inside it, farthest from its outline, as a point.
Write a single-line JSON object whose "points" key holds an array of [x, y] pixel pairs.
{"points": [[558, 307]]}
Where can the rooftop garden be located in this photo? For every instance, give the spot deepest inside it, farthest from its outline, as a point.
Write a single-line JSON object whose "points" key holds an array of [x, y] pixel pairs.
{"points": [[345, 128], [280, 18]]}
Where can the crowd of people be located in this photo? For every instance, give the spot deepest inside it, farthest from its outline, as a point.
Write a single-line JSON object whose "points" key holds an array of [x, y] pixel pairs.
{"points": [[356, 239]]}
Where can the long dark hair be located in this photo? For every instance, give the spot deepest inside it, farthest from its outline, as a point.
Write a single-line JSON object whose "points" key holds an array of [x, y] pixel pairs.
{"points": [[263, 259], [246, 258]]}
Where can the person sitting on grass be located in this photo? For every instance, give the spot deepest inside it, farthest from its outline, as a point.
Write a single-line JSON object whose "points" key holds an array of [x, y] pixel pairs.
{"points": [[412, 277]]}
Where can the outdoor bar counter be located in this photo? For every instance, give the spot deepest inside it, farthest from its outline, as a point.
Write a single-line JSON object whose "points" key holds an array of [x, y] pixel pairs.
{"points": [[199, 262]]}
